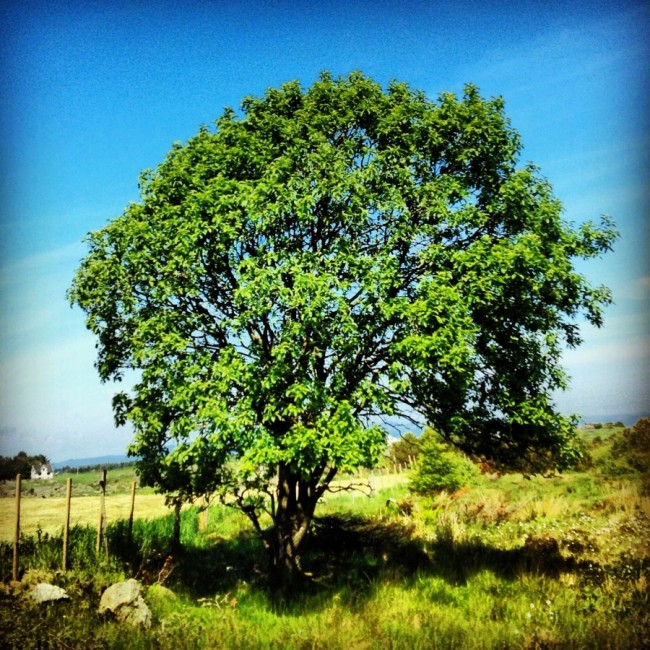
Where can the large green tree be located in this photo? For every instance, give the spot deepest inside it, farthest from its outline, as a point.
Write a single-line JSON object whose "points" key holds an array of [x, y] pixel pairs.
{"points": [[320, 260]]}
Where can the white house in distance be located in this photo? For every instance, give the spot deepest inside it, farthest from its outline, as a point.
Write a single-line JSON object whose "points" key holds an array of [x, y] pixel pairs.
{"points": [[40, 472]]}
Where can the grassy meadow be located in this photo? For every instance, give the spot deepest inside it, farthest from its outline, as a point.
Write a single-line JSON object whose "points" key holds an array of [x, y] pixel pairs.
{"points": [[43, 503], [511, 562]]}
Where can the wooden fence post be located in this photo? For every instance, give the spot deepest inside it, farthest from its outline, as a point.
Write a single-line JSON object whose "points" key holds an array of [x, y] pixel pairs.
{"points": [[129, 535], [101, 529], [204, 515], [66, 527], [176, 535], [17, 533]]}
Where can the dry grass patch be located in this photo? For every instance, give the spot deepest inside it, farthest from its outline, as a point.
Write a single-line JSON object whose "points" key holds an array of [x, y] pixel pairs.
{"points": [[48, 515]]}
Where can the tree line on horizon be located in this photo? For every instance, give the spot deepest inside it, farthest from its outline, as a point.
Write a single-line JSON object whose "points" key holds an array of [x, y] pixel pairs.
{"points": [[21, 463], [81, 469]]}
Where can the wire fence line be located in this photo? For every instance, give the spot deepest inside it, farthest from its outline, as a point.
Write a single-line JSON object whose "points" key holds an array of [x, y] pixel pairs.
{"points": [[34, 515]]}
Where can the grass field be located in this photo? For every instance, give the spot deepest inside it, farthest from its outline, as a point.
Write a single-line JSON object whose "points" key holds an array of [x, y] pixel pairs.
{"points": [[48, 515], [43, 503], [512, 562]]}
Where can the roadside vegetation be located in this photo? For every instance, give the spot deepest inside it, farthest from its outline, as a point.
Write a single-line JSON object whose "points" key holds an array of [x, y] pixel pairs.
{"points": [[505, 561]]}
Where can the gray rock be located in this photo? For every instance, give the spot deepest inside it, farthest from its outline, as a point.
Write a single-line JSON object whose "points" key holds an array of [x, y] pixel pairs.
{"points": [[45, 593], [124, 600]]}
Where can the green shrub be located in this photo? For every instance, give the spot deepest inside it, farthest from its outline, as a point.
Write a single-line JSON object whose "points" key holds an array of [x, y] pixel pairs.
{"points": [[584, 462], [629, 452], [441, 468], [405, 449]]}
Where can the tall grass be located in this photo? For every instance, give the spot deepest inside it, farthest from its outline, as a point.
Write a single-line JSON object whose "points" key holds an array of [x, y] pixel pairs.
{"points": [[511, 563]]}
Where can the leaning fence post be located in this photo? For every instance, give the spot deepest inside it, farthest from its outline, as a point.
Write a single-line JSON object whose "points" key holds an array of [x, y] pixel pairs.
{"points": [[17, 533], [66, 528], [101, 529], [204, 514], [130, 529]]}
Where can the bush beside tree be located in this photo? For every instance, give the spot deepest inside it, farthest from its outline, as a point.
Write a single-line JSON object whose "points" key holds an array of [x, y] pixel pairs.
{"points": [[631, 447], [441, 468], [406, 448]]}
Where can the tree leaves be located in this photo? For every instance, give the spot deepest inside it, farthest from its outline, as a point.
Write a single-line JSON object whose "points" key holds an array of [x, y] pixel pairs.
{"points": [[327, 256]]}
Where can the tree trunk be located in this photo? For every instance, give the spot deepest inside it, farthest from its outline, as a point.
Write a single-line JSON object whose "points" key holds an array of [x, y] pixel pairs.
{"points": [[286, 567], [176, 534], [296, 499]]}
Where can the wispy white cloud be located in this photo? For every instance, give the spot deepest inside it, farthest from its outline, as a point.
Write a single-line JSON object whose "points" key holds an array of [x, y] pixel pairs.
{"points": [[564, 54], [19, 270], [638, 290], [608, 378], [33, 305], [52, 398], [610, 371], [610, 352]]}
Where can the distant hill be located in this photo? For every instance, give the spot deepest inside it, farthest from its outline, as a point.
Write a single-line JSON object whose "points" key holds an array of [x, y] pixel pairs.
{"points": [[628, 419], [89, 462]]}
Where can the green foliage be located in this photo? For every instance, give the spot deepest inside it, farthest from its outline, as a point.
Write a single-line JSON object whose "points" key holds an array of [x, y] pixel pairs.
{"points": [[583, 459], [500, 565], [442, 469], [629, 453], [327, 256], [21, 464], [633, 446], [406, 448]]}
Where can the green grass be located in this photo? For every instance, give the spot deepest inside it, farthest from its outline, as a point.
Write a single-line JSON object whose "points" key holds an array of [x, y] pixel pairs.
{"points": [[561, 562], [84, 484]]}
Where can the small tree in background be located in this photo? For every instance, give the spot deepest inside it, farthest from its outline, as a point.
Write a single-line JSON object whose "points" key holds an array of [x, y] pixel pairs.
{"points": [[441, 468], [403, 450], [326, 257], [631, 451], [21, 464]]}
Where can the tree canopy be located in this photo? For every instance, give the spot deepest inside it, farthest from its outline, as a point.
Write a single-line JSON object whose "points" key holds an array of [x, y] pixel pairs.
{"points": [[325, 258], [21, 464]]}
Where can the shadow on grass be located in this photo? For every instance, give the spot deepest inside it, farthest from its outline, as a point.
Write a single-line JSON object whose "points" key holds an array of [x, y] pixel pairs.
{"points": [[216, 564], [354, 547], [346, 554]]}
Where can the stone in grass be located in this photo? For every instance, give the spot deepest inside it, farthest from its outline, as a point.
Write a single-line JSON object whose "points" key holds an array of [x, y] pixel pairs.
{"points": [[160, 594], [161, 600], [46, 593], [124, 600]]}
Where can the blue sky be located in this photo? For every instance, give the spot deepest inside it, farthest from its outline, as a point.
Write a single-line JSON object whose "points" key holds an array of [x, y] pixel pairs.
{"points": [[93, 93]]}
